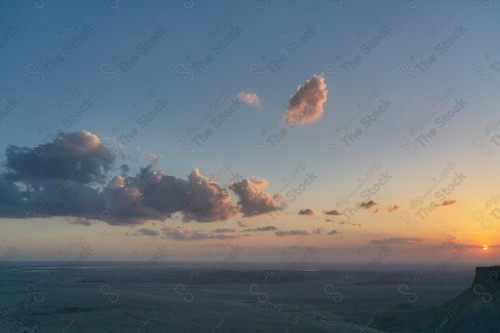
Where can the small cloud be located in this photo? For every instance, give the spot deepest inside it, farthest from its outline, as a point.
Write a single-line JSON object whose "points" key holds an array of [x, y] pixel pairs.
{"points": [[306, 105], [183, 234], [333, 212], [368, 204], [306, 211], [347, 223], [148, 232], [259, 229], [322, 231], [249, 98], [393, 208], [224, 230], [396, 241], [447, 202], [291, 233]]}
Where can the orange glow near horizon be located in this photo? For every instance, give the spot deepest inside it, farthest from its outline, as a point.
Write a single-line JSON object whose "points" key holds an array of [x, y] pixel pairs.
{"points": [[485, 247]]}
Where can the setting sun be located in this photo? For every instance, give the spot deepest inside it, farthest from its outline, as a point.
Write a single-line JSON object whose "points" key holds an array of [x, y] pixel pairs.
{"points": [[485, 247]]}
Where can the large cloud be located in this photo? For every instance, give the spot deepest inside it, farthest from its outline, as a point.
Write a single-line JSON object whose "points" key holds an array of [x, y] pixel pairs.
{"points": [[306, 105], [155, 195], [253, 201], [64, 177], [79, 156]]}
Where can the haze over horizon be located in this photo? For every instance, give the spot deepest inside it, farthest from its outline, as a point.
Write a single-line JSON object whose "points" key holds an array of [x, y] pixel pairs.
{"points": [[361, 132]]}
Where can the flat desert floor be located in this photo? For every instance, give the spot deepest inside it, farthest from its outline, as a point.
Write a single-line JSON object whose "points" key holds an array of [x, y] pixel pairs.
{"points": [[128, 297]]}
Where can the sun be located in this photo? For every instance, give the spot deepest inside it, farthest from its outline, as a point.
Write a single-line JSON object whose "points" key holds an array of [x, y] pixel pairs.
{"points": [[485, 247]]}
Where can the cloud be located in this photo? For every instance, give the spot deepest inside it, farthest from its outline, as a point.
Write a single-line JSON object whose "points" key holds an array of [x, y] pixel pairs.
{"points": [[183, 234], [260, 229], [368, 204], [224, 230], [306, 211], [333, 212], [253, 201], [345, 222], [321, 231], [396, 241], [446, 202], [393, 208], [71, 177], [249, 98], [153, 195], [306, 105], [291, 233], [148, 232], [79, 156]]}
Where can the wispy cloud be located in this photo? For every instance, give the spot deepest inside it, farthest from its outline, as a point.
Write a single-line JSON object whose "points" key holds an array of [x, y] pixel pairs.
{"points": [[396, 241], [291, 233], [259, 229], [184, 234], [446, 202], [224, 230]]}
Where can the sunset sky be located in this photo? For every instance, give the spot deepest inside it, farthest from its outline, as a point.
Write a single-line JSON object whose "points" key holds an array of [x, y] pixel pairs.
{"points": [[353, 127]]}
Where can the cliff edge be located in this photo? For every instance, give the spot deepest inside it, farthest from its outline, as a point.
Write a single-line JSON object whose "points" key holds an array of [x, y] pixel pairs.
{"points": [[477, 309]]}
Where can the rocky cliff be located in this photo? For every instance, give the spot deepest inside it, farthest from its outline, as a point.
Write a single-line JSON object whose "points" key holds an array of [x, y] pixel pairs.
{"points": [[475, 310]]}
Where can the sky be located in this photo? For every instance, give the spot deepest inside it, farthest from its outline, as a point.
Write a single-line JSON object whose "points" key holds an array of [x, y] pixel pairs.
{"points": [[363, 132]]}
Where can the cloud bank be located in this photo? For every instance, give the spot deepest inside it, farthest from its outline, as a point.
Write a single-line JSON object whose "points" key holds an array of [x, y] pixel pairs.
{"points": [[71, 177]]}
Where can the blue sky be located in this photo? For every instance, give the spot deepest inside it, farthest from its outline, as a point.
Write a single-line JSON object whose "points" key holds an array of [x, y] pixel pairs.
{"points": [[153, 70]]}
